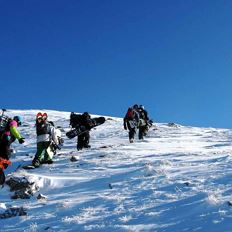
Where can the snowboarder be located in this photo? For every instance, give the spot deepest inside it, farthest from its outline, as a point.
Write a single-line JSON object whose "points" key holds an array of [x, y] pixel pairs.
{"points": [[47, 140], [143, 124], [130, 121], [8, 135], [81, 125], [85, 125]]}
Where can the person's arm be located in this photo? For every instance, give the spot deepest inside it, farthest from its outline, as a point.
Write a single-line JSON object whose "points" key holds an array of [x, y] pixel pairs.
{"points": [[146, 115], [14, 131]]}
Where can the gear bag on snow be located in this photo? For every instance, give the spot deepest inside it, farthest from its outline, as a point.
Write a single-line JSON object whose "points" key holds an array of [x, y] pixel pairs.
{"points": [[81, 129]]}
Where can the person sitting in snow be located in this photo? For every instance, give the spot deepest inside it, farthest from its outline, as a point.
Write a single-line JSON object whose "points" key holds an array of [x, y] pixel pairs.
{"points": [[130, 121], [47, 140], [7, 137]]}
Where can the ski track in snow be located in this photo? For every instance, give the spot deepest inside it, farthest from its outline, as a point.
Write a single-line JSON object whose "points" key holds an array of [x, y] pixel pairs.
{"points": [[177, 179]]}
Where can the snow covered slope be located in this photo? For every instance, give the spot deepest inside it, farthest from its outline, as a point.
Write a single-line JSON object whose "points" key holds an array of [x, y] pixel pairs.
{"points": [[177, 179]]}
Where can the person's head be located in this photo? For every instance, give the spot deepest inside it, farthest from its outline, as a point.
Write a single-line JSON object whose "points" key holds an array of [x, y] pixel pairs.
{"points": [[141, 107], [86, 115], [41, 117], [135, 107], [19, 120]]}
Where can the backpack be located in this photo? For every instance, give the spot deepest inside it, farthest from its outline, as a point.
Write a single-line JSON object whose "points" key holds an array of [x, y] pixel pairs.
{"points": [[43, 128], [75, 119], [130, 113], [4, 123]]}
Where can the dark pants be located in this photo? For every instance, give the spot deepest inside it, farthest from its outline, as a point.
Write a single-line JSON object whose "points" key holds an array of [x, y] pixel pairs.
{"points": [[83, 140], [142, 131], [5, 149], [132, 127], [132, 133]]}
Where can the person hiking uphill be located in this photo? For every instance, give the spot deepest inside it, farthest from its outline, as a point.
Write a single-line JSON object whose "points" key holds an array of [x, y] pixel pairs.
{"points": [[83, 138], [7, 136], [143, 124], [46, 140], [130, 122], [81, 124]]}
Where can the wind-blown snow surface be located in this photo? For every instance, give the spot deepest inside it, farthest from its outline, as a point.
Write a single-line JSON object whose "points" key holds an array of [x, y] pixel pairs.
{"points": [[177, 179]]}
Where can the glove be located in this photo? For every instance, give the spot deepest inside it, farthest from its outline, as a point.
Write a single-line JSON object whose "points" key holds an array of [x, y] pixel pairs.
{"points": [[58, 147], [21, 140]]}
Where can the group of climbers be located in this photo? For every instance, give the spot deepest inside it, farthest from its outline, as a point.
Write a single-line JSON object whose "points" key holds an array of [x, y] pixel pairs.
{"points": [[48, 140], [49, 137], [137, 118]]}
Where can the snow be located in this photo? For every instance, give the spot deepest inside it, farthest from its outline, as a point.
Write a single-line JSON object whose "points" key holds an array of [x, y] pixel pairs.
{"points": [[177, 179]]}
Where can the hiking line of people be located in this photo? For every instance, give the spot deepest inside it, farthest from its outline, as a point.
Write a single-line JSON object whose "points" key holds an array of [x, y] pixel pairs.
{"points": [[137, 118], [49, 138]]}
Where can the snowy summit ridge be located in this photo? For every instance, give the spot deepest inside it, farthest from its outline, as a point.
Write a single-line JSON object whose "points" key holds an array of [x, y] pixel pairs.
{"points": [[177, 179]]}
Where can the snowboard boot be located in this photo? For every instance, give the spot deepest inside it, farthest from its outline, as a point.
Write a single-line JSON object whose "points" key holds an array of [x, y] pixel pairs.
{"points": [[36, 162], [47, 162], [87, 146]]}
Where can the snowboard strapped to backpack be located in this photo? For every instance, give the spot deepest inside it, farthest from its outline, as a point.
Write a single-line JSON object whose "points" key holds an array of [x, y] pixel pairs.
{"points": [[4, 122], [81, 129]]}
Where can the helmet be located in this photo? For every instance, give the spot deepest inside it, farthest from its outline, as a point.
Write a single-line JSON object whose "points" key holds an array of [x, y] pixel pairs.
{"points": [[18, 119], [135, 106], [141, 107]]}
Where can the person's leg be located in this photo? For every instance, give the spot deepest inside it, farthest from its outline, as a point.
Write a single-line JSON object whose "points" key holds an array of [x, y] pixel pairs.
{"points": [[48, 154], [41, 153], [86, 139], [5, 151], [131, 135], [80, 141]]}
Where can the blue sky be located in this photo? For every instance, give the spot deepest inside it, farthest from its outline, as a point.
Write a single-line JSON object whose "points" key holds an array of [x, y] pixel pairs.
{"points": [[101, 56]]}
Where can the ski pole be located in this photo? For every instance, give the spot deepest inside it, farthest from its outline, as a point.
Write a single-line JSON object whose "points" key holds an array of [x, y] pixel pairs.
{"points": [[3, 110]]}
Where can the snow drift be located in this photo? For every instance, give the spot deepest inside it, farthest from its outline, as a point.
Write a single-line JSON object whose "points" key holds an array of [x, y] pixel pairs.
{"points": [[177, 179]]}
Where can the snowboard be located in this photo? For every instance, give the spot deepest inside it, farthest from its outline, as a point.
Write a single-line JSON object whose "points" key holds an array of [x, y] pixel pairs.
{"points": [[28, 167], [81, 129]]}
